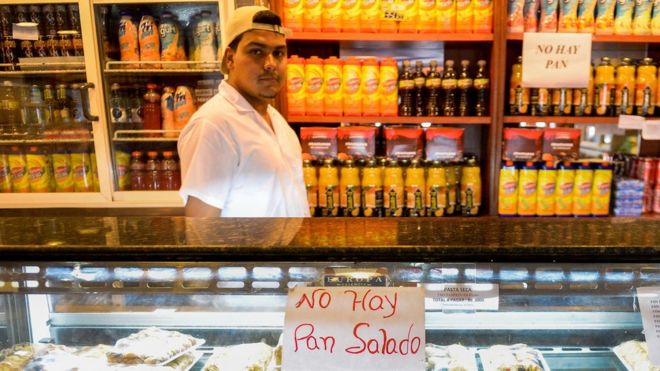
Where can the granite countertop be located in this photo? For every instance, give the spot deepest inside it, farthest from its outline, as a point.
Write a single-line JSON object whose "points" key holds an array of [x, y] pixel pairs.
{"points": [[326, 239]]}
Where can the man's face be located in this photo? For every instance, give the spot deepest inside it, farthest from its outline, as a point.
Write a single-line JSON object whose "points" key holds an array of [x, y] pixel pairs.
{"points": [[257, 68]]}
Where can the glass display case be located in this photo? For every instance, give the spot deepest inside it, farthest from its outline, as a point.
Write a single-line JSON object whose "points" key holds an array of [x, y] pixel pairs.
{"points": [[566, 290]]}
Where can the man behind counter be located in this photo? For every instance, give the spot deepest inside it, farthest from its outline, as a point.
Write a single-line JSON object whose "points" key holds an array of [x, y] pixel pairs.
{"points": [[239, 157]]}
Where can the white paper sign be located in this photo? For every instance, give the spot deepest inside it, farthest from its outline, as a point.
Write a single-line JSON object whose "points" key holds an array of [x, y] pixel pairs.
{"points": [[556, 60], [649, 306], [354, 328], [631, 122], [25, 31], [462, 296], [651, 130]]}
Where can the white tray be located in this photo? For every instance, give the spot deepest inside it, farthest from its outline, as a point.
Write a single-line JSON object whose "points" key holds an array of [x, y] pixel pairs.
{"points": [[487, 361]]}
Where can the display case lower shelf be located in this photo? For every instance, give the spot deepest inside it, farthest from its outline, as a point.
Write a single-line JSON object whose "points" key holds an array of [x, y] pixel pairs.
{"points": [[453, 120], [591, 120]]}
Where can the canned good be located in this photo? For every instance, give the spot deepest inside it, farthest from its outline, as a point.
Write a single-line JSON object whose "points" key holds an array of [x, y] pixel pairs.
{"points": [[646, 171], [656, 200], [52, 46], [50, 26], [27, 49], [22, 13], [40, 47], [66, 46]]}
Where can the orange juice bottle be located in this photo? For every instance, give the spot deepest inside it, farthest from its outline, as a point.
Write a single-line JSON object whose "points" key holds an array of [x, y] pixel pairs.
{"points": [[527, 180], [564, 189], [352, 74], [584, 179], [328, 188], [545, 190], [414, 189], [333, 103], [312, 15], [314, 86], [624, 97], [350, 16], [428, 16], [393, 192], [446, 10], [388, 88], [372, 189], [464, 15], [387, 25], [507, 199], [604, 85], [312, 186], [645, 88], [331, 16], [471, 188], [518, 96], [410, 10], [453, 173], [293, 15], [349, 189], [369, 15], [483, 16], [295, 85], [370, 91], [436, 189]]}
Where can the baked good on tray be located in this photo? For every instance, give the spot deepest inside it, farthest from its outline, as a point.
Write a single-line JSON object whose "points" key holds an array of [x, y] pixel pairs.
{"points": [[243, 357], [453, 357], [517, 357], [151, 346], [635, 355]]}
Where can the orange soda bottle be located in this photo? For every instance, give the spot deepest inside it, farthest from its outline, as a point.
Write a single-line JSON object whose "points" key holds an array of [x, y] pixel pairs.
{"points": [[314, 86], [328, 188], [370, 91], [333, 103], [624, 97], [604, 85], [393, 189], [295, 85], [352, 74], [414, 189], [436, 189], [470, 188], [311, 185], [372, 189]]}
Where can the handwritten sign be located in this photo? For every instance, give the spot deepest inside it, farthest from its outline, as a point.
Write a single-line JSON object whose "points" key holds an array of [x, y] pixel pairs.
{"points": [[354, 328], [649, 306], [630, 122], [556, 60], [651, 130], [462, 296]]}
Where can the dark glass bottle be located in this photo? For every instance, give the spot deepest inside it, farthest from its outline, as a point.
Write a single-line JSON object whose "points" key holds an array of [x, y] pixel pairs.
{"points": [[406, 91], [420, 93], [449, 85], [433, 85], [482, 90], [465, 84]]}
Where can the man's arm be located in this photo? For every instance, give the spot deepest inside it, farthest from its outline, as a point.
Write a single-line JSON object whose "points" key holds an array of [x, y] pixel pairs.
{"points": [[198, 208]]}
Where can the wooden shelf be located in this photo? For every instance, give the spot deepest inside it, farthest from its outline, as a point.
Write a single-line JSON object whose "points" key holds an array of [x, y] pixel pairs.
{"points": [[594, 120], [606, 38], [456, 120], [363, 36]]}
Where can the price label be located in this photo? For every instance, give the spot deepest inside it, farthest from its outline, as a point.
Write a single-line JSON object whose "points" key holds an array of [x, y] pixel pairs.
{"points": [[649, 306], [462, 296], [631, 122], [393, 11], [651, 130]]}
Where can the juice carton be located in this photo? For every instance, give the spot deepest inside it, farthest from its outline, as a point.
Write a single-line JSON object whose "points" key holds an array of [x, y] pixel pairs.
{"points": [[314, 86], [428, 16], [446, 13], [483, 16], [527, 183], [312, 15], [333, 103], [350, 16], [605, 17], [584, 178], [655, 18], [370, 91], [601, 190], [389, 95], [352, 74], [410, 10], [641, 23], [369, 15], [464, 16], [545, 190], [331, 16], [507, 199], [387, 25], [515, 21], [295, 85], [585, 16], [293, 14], [564, 189], [623, 14], [549, 17], [568, 16]]}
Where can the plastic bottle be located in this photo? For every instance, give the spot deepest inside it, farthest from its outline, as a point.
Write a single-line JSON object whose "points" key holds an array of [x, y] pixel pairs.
{"points": [[170, 176], [420, 89], [641, 23], [118, 112], [331, 16], [169, 39], [583, 97], [449, 85], [564, 189], [414, 188], [205, 35], [518, 96], [436, 189], [604, 86], [128, 40], [350, 196], [181, 44], [369, 15], [623, 14], [135, 108], [81, 167], [482, 90], [369, 88], [95, 172], [312, 15], [352, 93], [527, 183], [446, 18], [464, 16], [433, 87], [167, 112], [601, 190], [541, 101], [138, 175], [333, 101], [471, 187], [295, 85], [122, 169], [184, 106], [151, 112], [329, 188], [152, 172], [645, 88], [562, 99], [149, 41], [62, 169], [311, 185], [582, 196], [372, 189], [37, 111], [51, 114], [546, 190], [20, 181], [5, 171], [314, 86], [293, 15], [350, 16], [410, 11], [393, 189], [507, 201], [10, 110], [453, 174], [465, 85], [428, 16], [38, 168], [406, 90], [193, 41], [483, 16], [624, 97]]}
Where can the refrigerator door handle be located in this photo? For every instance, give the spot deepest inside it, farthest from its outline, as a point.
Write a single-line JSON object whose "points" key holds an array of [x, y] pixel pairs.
{"points": [[84, 92]]}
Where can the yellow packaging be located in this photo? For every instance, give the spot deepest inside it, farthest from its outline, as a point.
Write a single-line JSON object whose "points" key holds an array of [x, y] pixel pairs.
{"points": [[436, 189], [387, 25], [312, 15], [95, 174], [350, 16], [331, 16], [372, 189], [38, 171], [314, 86], [527, 181], [428, 16], [605, 17], [295, 85], [369, 15], [483, 16], [393, 190], [387, 87], [332, 77], [564, 191], [601, 191], [624, 97], [20, 182], [81, 164], [446, 10], [414, 189], [655, 18], [293, 14], [5, 174], [567, 16], [328, 189], [410, 10], [122, 169], [641, 23], [584, 178], [585, 16], [352, 93], [545, 191], [464, 16], [370, 91], [63, 173], [507, 199], [623, 15], [350, 197], [470, 189]]}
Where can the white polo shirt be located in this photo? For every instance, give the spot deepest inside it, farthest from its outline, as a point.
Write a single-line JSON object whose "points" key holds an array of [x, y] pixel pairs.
{"points": [[232, 160]]}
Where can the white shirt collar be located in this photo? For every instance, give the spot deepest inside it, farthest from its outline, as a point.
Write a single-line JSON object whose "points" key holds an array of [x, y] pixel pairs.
{"points": [[237, 99]]}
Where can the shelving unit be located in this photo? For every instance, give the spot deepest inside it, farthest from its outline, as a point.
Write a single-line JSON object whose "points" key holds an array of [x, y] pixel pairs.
{"points": [[457, 120], [357, 36], [563, 120], [650, 39]]}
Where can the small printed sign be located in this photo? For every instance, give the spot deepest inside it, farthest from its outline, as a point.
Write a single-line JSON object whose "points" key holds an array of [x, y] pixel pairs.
{"points": [[649, 306], [393, 11], [354, 328], [631, 122], [25, 31], [462, 296], [651, 130], [556, 60]]}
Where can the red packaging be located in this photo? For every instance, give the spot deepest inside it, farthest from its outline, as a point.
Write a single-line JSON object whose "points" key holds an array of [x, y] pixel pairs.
{"points": [[444, 144], [356, 142], [522, 144], [404, 143], [561, 144], [646, 171], [657, 172], [656, 200], [647, 199], [318, 143]]}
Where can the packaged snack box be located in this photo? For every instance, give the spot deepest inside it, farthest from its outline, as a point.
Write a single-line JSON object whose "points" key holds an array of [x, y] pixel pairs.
{"points": [[318, 143], [444, 144]]}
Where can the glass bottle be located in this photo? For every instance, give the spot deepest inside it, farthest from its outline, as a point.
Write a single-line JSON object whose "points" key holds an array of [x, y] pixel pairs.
{"points": [[604, 84], [465, 84], [449, 85], [138, 181], [518, 96], [406, 91], [482, 89], [433, 85], [420, 83]]}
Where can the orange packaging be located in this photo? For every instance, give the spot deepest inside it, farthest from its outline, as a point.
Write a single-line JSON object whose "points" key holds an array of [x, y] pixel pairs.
{"points": [[464, 16], [410, 10], [585, 16], [389, 94], [350, 16], [549, 19], [568, 16], [369, 15], [352, 74], [530, 15], [295, 85], [446, 10], [483, 16], [333, 103], [355, 142], [128, 40], [331, 16], [350, 192], [184, 107], [312, 15], [314, 88], [387, 25], [293, 14], [149, 40], [414, 188], [516, 21], [370, 91], [38, 167], [428, 16]]}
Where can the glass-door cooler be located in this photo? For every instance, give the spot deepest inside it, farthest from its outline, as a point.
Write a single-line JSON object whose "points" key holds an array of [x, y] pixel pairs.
{"points": [[51, 143], [159, 63]]}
